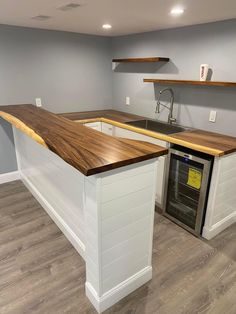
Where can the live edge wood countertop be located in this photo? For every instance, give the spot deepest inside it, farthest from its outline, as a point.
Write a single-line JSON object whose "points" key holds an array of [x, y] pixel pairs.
{"points": [[207, 142], [87, 150]]}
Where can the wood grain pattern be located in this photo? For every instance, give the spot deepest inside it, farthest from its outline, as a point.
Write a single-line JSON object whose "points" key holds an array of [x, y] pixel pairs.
{"points": [[220, 143], [150, 59], [87, 150], [207, 142], [23, 127], [115, 115], [190, 82], [41, 272]]}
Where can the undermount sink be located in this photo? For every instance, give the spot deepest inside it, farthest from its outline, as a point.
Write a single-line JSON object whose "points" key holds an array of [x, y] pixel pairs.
{"points": [[157, 126]]}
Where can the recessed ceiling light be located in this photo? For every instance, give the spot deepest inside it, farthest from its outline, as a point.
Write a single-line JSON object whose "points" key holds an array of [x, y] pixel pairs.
{"points": [[106, 26], [41, 17], [177, 11]]}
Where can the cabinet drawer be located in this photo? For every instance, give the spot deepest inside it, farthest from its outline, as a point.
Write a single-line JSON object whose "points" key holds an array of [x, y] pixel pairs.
{"points": [[94, 125]]}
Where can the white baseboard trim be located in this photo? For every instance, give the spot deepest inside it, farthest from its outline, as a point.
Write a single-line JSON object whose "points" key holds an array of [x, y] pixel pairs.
{"points": [[120, 291], [74, 240], [209, 233], [9, 177]]}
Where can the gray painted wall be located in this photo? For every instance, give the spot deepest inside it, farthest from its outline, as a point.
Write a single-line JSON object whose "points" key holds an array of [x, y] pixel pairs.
{"points": [[187, 48], [70, 72]]}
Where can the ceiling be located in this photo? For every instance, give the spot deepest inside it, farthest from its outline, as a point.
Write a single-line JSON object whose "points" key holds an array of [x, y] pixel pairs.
{"points": [[126, 16]]}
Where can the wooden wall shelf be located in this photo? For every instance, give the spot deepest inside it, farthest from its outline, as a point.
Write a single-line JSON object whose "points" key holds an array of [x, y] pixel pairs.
{"points": [[152, 59], [187, 82]]}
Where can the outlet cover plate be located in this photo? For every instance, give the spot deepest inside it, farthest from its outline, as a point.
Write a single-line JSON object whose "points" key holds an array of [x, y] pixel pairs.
{"points": [[212, 117], [38, 102]]}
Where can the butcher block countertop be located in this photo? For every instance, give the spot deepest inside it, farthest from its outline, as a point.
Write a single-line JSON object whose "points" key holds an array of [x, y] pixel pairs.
{"points": [[87, 150], [110, 114], [207, 142]]}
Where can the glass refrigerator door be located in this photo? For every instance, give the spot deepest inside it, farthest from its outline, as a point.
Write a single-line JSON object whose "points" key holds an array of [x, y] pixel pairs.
{"points": [[184, 188]]}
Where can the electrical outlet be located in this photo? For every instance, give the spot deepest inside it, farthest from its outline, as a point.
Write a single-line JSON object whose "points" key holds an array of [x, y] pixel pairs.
{"points": [[212, 117], [38, 102], [127, 101]]}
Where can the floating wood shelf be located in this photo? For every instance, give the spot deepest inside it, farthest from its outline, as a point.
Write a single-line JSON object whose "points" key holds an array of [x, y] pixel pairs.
{"points": [[152, 59], [187, 82]]}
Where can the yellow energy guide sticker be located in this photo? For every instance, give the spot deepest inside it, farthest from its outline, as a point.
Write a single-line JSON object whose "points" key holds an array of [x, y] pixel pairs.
{"points": [[194, 178]]}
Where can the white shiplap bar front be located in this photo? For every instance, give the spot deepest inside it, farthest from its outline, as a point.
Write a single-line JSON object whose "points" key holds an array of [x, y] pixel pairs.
{"points": [[221, 209], [107, 217]]}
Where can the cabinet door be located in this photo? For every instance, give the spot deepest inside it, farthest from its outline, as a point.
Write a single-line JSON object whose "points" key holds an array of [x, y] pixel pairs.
{"points": [[94, 125], [161, 160], [107, 128], [137, 136]]}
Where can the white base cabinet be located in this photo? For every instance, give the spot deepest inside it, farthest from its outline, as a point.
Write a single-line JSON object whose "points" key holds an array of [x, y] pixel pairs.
{"points": [[94, 125], [119, 132], [103, 127], [221, 209], [107, 128]]}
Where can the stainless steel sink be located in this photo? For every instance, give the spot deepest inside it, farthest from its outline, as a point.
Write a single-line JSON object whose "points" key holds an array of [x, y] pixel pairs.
{"points": [[157, 126]]}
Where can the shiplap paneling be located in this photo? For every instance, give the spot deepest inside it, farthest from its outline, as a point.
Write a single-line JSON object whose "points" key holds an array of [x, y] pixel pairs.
{"points": [[104, 214], [61, 186], [119, 207], [124, 133], [161, 168], [221, 209]]}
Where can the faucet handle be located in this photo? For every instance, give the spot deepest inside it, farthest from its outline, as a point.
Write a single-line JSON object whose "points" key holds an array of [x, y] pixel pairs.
{"points": [[157, 107]]}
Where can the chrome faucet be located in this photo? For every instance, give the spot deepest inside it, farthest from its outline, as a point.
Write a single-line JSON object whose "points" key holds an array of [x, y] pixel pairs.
{"points": [[171, 119]]}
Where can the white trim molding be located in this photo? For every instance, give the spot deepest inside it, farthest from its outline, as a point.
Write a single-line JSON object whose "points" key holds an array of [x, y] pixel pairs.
{"points": [[119, 292], [9, 177], [211, 232]]}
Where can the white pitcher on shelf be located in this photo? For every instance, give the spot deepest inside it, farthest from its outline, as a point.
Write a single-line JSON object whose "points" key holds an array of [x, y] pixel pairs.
{"points": [[204, 68]]}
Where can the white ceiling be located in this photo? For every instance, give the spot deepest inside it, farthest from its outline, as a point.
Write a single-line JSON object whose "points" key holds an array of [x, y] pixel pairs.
{"points": [[126, 16]]}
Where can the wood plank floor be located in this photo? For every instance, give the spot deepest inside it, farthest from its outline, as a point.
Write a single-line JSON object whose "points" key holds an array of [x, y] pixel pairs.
{"points": [[41, 273]]}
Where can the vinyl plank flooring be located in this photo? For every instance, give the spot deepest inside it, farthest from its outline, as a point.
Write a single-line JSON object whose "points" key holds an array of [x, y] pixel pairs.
{"points": [[41, 273]]}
